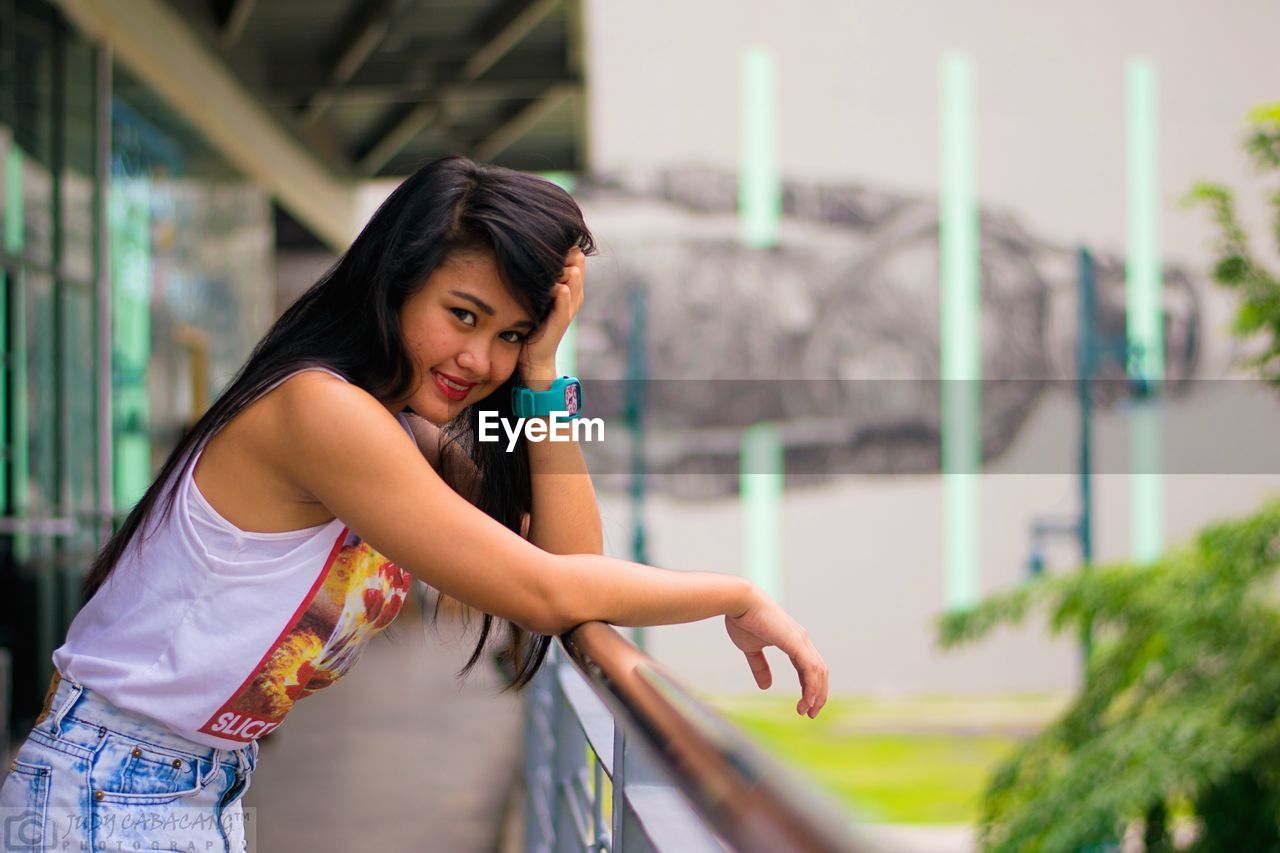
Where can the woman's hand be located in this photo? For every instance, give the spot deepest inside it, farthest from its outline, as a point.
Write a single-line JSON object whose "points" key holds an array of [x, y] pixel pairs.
{"points": [[764, 623], [538, 356]]}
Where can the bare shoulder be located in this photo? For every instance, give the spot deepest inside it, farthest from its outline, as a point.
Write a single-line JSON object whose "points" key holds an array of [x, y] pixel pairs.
{"points": [[315, 418], [249, 469]]}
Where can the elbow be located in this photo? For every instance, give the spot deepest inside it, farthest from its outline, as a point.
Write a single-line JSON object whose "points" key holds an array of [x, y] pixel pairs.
{"points": [[557, 609], [554, 620]]}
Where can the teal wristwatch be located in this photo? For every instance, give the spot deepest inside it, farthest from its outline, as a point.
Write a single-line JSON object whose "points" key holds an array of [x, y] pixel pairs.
{"points": [[563, 397]]}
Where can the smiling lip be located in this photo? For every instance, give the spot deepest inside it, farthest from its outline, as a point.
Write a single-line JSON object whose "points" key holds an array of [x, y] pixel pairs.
{"points": [[442, 381]]}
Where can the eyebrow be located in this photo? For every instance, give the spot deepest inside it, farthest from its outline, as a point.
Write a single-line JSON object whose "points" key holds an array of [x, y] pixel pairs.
{"points": [[487, 308]]}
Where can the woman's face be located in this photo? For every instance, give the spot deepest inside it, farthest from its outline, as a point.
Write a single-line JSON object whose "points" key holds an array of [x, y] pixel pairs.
{"points": [[464, 332]]}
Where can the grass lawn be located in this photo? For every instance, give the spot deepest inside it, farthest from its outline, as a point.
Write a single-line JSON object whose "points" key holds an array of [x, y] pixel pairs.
{"points": [[916, 760]]}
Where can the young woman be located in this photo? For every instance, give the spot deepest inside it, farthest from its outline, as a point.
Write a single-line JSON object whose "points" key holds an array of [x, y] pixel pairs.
{"points": [[342, 462]]}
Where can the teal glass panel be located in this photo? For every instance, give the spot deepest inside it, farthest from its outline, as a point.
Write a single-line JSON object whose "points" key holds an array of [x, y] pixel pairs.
{"points": [[19, 444], [80, 402], [5, 451], [11, 170], [76, 177], [41, 388], [33, 131], [129, 224]]}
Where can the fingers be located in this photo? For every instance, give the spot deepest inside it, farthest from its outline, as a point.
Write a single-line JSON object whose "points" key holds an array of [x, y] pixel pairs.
{"points": [[564, 302], [574, 274], [767, 625], [814, 679], [575, 258], [760, 669]]}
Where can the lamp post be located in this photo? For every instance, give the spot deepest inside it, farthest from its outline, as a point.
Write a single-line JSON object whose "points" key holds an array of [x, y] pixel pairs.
{"points": [[637, 377], [1091, 348]]}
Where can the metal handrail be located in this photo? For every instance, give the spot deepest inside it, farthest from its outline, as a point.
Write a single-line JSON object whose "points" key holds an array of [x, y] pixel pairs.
{"points": [[683, 778]]}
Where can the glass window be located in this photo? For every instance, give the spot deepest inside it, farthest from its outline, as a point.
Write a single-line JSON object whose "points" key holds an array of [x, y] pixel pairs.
{"points": [[32, 104], [78, 145]]}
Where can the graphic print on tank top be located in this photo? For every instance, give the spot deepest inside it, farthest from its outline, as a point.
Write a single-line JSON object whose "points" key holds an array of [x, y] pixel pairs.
{"points": [[356, 596]]}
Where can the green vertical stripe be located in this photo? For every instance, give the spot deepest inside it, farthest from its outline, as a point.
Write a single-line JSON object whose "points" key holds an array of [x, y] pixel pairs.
{"points": [[20, 439], [1142, 271], [5, 450], [1146, 487], [567, 352], [566, 181], [130, 256], [1144, 317], [762, 487], [13, 243], [961, 351], [759, 192], [13, 213]]}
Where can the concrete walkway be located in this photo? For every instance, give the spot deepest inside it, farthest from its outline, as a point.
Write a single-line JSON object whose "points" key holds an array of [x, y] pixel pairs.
{"points": [[396, 756]]}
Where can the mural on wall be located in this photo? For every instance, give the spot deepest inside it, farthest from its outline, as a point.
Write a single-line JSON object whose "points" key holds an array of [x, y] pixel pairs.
{"points": [[834, 333]]}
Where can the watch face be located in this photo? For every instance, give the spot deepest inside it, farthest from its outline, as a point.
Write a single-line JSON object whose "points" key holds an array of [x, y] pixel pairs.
{"points": [[571, 398]]}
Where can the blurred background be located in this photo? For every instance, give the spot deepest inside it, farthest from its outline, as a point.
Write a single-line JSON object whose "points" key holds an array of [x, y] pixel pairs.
{"points": [[898, 306]]}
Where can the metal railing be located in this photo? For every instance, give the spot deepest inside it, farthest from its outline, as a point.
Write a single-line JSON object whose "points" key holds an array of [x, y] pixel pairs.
{"points": [[680, 777]]}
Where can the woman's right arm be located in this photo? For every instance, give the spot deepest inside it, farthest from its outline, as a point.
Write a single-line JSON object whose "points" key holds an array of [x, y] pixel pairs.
{"points": [[348, 452]]}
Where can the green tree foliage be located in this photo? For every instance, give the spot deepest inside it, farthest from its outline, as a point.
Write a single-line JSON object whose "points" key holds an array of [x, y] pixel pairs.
{"points": [[1180, 708], [1237, 267]]}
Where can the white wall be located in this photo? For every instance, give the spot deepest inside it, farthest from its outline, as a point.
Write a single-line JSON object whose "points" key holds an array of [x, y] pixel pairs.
{"points": [[858, 95], [858, 103]]}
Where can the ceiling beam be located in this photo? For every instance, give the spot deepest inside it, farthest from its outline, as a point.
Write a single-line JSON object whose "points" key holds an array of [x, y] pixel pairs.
{"points": [[483, 90], [498, 44], [514, 128], [401, 134], [159, 48], [237, 18], [506, 37], [294, 79], [362, 40]]}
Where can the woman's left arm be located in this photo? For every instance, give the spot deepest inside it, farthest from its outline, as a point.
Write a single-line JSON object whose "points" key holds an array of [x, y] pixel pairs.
{"points": [[564, 518]]}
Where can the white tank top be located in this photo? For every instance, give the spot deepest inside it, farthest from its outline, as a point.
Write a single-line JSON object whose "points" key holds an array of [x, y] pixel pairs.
{"points": [[215, 632]]}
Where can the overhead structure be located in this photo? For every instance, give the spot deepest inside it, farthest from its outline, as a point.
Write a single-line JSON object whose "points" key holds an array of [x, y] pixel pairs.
{"points": [[310, 96]]}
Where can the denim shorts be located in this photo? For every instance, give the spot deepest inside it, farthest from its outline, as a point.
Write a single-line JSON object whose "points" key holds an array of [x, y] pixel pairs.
{"points": [[91, 777]]}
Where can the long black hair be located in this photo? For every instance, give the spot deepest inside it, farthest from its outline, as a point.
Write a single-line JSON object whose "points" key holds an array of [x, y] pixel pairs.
{"points": [[349, 321]]}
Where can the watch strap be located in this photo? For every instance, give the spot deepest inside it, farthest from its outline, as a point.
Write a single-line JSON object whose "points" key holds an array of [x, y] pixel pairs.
{"points": [[564, 397]]}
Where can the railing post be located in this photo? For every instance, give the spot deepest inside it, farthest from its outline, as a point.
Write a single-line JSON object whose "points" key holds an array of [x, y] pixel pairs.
{"points": [[570, 821], [632, 768], [599, 834], [620, 839], [683, 779], [537, 757]]}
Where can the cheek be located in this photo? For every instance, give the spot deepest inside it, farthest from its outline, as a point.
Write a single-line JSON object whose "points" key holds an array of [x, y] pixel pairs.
{"points": [[423, 340], [505, 363]]}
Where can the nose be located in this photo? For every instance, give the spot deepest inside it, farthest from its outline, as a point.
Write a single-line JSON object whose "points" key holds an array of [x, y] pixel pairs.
{"points": [[474, 358]]}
